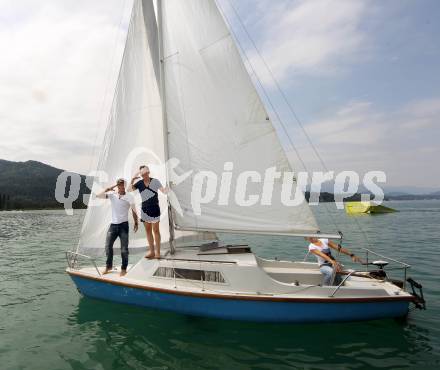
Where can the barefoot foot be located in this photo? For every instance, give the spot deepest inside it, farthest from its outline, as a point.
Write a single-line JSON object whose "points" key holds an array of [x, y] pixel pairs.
{"points": [[123, 273], [107, 271]]}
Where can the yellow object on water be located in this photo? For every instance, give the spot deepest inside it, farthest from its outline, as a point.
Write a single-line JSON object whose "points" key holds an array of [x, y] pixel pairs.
{"points": [[369, 207]]}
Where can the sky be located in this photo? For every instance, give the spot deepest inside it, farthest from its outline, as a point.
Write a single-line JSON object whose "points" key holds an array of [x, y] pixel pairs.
{"points": [[363, 77]]}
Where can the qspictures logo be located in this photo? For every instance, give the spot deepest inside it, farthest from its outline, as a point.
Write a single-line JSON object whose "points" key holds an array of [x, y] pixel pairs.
{"points": [[228, 187]]}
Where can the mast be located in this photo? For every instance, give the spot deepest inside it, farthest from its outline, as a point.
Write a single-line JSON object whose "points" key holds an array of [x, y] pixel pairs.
{"points": [[164, 118]]}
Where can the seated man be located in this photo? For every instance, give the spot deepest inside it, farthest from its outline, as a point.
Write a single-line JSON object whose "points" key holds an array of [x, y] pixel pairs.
{"points": [[328, 266], [121, 203]]}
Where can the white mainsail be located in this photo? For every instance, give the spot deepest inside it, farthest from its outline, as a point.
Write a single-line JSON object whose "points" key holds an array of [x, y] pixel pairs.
{"points": [[134, 134], [215, 116]]}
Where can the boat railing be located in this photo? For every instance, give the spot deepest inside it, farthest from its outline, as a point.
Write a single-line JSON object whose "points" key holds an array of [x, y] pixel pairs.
{"points": [[73, 260], [369, 251], [401, 265], [342, 282], [370, 261]]}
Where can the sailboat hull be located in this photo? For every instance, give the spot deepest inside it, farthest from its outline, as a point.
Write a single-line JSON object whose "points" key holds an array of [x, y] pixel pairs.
{"points": [[295, 311]]}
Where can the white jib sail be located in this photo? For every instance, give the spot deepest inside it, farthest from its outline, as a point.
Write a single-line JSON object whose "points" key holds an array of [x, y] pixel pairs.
{"points": [[134, 134], [215, 116]]}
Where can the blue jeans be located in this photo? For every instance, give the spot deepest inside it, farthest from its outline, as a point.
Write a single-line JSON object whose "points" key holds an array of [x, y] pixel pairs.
{"points": [[115, 231], [328, 272]]}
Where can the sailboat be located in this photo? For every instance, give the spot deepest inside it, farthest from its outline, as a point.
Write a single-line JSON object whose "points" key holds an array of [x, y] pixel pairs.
{"points": [[183, 92], [366, 207]]}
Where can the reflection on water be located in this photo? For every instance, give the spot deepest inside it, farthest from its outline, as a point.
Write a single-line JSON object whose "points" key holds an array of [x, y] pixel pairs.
{"points": [[45, 324], [161, 339]]}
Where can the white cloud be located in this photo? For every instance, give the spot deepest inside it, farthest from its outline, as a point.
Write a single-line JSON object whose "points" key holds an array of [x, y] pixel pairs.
{"points": [[426, 108], [309, 37], [355, 123], [359, 136], [61, 60]]}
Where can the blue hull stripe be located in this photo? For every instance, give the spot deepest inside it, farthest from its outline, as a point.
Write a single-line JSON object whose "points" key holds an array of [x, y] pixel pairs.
{"points": [[248, 310]]}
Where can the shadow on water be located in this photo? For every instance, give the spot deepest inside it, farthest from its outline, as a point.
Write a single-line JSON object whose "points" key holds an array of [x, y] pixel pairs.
{"points": [[138, 338]]}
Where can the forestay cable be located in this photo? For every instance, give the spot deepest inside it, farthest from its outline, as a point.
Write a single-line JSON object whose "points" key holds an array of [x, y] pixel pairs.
{"points": [[260, 84]]}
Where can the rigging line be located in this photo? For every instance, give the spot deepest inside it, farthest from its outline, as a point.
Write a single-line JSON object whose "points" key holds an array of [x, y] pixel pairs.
{"points": [[363, 233], [289, 105], [184, 115], [260, 84], [108, 79], [107, 133], [214, 42], [202, 272]]}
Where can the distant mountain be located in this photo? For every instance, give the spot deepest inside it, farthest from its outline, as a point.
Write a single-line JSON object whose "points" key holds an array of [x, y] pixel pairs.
{"points": [[329, 187], [396, 194], [432, 196], [326, 197], [391, 192], [409, 190], [31, 185]]}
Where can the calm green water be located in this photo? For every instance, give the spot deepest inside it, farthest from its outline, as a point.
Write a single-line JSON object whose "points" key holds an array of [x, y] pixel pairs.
{"points": [[46, 324]]}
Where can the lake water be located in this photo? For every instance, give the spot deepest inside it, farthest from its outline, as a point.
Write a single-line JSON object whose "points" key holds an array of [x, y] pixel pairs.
{"points": [[46, 324]]}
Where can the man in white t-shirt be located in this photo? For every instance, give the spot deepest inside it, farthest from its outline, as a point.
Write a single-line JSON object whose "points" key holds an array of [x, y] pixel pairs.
{"points": [[121, 203]]}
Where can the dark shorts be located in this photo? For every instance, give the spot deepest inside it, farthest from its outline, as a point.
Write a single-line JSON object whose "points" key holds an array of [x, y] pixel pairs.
{"points": [[150, 213]]}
